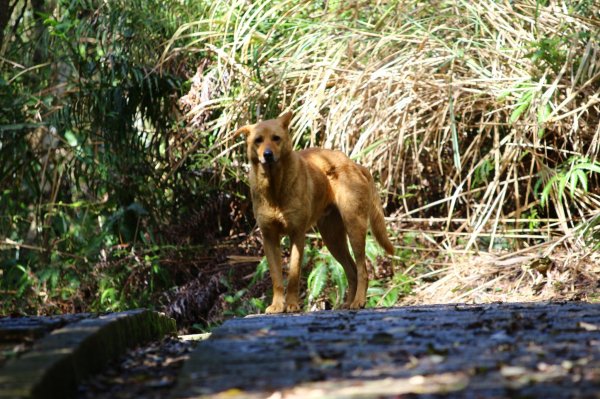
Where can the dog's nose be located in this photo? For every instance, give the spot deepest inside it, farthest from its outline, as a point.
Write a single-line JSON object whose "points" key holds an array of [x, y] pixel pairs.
{"points": [[268, 154]]}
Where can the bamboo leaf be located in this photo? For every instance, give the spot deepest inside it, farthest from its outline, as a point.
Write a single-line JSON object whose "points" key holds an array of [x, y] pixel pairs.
{"points": [[573, 180], [546, 191], [584, 181], [522, 106], [562, 183], [591, 167]]}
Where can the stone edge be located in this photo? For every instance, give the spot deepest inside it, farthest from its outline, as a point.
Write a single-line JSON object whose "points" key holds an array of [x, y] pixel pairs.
{"points": [[58, 362]]}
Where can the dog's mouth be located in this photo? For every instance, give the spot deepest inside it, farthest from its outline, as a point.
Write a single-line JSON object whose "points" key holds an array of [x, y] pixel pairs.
{"points": [[267, 159]]}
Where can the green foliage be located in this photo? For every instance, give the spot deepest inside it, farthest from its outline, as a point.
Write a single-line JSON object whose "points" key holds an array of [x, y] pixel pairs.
{"points": [[97, 165], [88, 143], [261, 270], [533, 218], [591, 232], [317, 280], [482, 173], [499, 97], [549, 51], [575, 173], [387, 293], [326, 279], [237, 302], [522, 105]]}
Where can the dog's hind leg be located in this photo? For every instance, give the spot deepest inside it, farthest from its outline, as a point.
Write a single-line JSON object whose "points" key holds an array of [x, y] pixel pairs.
{"points": [[354, 212], [357, 234], [334, 236]]}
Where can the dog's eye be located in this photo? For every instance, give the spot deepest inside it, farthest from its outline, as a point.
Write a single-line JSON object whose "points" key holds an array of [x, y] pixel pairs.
{"points": [[258, 140], [276, 138]]}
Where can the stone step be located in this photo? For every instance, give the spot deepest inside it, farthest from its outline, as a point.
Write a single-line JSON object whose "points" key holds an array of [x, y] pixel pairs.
{"points": [[58, 361]]}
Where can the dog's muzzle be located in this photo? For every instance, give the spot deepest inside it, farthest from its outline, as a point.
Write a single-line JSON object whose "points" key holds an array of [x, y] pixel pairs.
{"points": [[268, 156]]}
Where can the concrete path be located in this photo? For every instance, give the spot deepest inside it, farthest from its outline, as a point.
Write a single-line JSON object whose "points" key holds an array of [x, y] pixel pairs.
{"points": [[538, 350]]}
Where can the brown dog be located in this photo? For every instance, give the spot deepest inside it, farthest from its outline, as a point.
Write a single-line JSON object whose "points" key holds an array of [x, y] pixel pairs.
{"points": [[294, 190]]}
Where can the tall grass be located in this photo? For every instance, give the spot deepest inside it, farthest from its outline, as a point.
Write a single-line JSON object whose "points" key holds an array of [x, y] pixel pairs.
{"points": [[480, 120], [475, 117]]}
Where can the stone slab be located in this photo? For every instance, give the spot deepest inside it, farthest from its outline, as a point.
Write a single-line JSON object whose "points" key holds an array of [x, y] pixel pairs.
{"points": [[467, 351]]}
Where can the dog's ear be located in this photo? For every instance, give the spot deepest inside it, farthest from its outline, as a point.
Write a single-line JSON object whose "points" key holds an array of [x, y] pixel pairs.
{"points": [[245, 130], [285, 119]]}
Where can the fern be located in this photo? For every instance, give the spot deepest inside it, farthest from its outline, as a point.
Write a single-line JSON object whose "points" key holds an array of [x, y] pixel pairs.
{"points": [[338, 276], [317, 279]]}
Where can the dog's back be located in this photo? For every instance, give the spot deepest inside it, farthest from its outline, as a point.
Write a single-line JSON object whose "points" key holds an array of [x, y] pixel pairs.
{"points": [[347, 181]]}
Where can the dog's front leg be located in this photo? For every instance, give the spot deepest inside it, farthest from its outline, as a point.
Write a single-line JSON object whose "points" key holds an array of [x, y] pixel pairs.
{"points": [[293, 288], [273, 254]]}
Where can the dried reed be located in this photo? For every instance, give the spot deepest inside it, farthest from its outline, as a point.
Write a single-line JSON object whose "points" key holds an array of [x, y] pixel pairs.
{"points": [[466, 112]]}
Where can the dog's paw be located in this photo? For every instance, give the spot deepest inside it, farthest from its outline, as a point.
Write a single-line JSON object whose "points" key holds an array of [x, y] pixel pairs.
{"points": [[293, 308], [346, 305], [356, 304], [275, 308]]}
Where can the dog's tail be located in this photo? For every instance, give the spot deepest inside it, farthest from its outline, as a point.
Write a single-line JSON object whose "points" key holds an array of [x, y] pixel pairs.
{"points": [[377, 221]]}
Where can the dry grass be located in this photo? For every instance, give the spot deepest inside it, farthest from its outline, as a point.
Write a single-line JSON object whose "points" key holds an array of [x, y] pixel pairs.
{"points": [[513, 277], [482, 118]]}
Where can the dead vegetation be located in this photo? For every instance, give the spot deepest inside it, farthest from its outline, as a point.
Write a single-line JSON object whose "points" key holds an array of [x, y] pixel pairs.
{"points": [[481, 121]]}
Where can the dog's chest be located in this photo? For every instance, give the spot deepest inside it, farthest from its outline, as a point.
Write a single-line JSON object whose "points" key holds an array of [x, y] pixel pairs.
{"points": [[277, 218]]}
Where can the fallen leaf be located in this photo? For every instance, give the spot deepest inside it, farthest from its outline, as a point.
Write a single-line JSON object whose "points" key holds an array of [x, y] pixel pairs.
{"points": [[588, 326]]}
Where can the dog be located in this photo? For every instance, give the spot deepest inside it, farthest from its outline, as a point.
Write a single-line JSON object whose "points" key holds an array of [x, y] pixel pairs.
{"points": [[292, 191]]}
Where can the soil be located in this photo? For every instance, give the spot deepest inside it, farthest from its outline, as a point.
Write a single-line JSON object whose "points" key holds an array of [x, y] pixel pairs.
{"points": [[146, 372]]}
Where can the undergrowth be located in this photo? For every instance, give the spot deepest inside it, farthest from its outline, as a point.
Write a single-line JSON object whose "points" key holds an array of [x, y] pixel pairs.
{"points": [[480, 120], [121, 182]]}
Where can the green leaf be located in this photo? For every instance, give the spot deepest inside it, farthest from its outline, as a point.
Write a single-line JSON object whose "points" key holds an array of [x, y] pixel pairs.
{"points": [[573, 179], [82, 50], [584, 181], [562, 183], [71, 139], [390, 298], [543, 113], [107, 296], [546, 191], [338, 276], [522, 107], [317, 280], [591, 167], [372, 249], [261, 270]]}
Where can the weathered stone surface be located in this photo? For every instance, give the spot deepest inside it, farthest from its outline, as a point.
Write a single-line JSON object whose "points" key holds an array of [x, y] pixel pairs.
{"points": [[17, 334], [14, 329], [470, 351], [57, 362]]}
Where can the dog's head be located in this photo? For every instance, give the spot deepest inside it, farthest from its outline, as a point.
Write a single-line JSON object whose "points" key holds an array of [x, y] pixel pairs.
{"points": [[268, 141]]}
